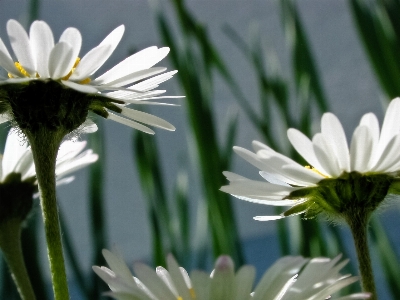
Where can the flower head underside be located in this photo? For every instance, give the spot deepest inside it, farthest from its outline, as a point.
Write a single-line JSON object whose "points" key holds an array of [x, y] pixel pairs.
{"points": [[339, 180], [49, 85]]}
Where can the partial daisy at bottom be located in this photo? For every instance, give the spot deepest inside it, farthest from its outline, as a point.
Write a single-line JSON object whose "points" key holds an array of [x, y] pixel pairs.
{"points": [[18, 159], [18, 183], [291, 277], [49, 75], [340, 181]]}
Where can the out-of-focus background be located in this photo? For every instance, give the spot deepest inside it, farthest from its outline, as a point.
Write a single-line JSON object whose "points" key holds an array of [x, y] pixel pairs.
{"points": [[247, 36]]}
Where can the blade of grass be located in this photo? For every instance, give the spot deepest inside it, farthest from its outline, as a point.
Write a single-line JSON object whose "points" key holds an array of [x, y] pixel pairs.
{"points": [[196, 80], [390, 261], [96, 218]]}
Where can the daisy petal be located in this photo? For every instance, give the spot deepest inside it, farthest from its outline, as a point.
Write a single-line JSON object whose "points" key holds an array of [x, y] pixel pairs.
{"points": [[60, 60], [6, 61], [93, 60], [72, 37], [42, 42], [14, 150], [391, 124], [136, 76], [141, 60], [130, 123], [268, 218], [21, 45], [83, 88], [304, 147], [324, 153], [390, 155], [361, 149], [334, 134], [146, 118]]}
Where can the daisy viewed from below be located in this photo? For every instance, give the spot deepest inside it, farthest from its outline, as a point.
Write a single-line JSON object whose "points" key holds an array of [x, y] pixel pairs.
{"points": [[343, 182], [49, 93], [53, 71], [289, 278], [338, 179]]}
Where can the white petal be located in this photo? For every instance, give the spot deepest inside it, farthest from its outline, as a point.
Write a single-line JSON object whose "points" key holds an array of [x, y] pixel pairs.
{"points": [[42, 42], [325, 155], [370, 121], [14, 150], [150, 279], [68, 150], [361, 149], [390, 155], [73, 37], [304, 147], [244, 280], [257, 189], [141, 60], [334, 134], [154, 82], [85, 159], [130, 123], [6, 61], [25, 164], [83, 88], [302, 175], [391, 124], [268, 218], [88, 127], [96, 57], [146, 118], [4, 118], [20, 43], [277, 276], [91, 62], [271, 166], [135, 76], [176, 274], [60, 60], [270, 178]]}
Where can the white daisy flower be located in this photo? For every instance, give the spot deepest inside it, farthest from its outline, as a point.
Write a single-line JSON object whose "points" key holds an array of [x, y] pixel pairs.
{"points": [[18, 184], [289, 278], [49, 70], [340, 179], [18, 159]]}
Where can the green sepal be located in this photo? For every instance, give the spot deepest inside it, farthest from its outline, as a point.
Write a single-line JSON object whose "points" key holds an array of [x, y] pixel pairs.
{"points": [[300, 193], [297, 209]]}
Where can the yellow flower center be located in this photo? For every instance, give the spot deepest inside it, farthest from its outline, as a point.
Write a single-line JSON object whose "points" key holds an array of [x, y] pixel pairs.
{"points": [[316, 171], [66, 77], [21, 69]]}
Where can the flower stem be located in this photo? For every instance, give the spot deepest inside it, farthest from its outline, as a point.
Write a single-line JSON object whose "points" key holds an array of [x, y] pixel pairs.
{"points": [[45, 144], [10, 244], [358, 223]]}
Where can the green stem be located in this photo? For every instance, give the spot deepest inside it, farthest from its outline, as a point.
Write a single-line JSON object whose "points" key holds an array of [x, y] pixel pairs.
{"points": [[45, 144], [358, 223], [10, 244]]}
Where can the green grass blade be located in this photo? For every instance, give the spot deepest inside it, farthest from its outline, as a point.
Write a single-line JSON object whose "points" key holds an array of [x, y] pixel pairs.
{"points": [[197, 84], [71, 255], [390, 260], [96, 217], [381, 46]]}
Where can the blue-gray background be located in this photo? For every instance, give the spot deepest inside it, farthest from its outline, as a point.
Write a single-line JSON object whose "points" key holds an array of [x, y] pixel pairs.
{"points": [[346, 76]]}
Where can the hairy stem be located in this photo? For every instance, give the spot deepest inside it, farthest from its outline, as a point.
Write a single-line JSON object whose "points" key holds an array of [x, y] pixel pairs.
{"points": [[10, 244], [45, 144], [358, 223]]}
